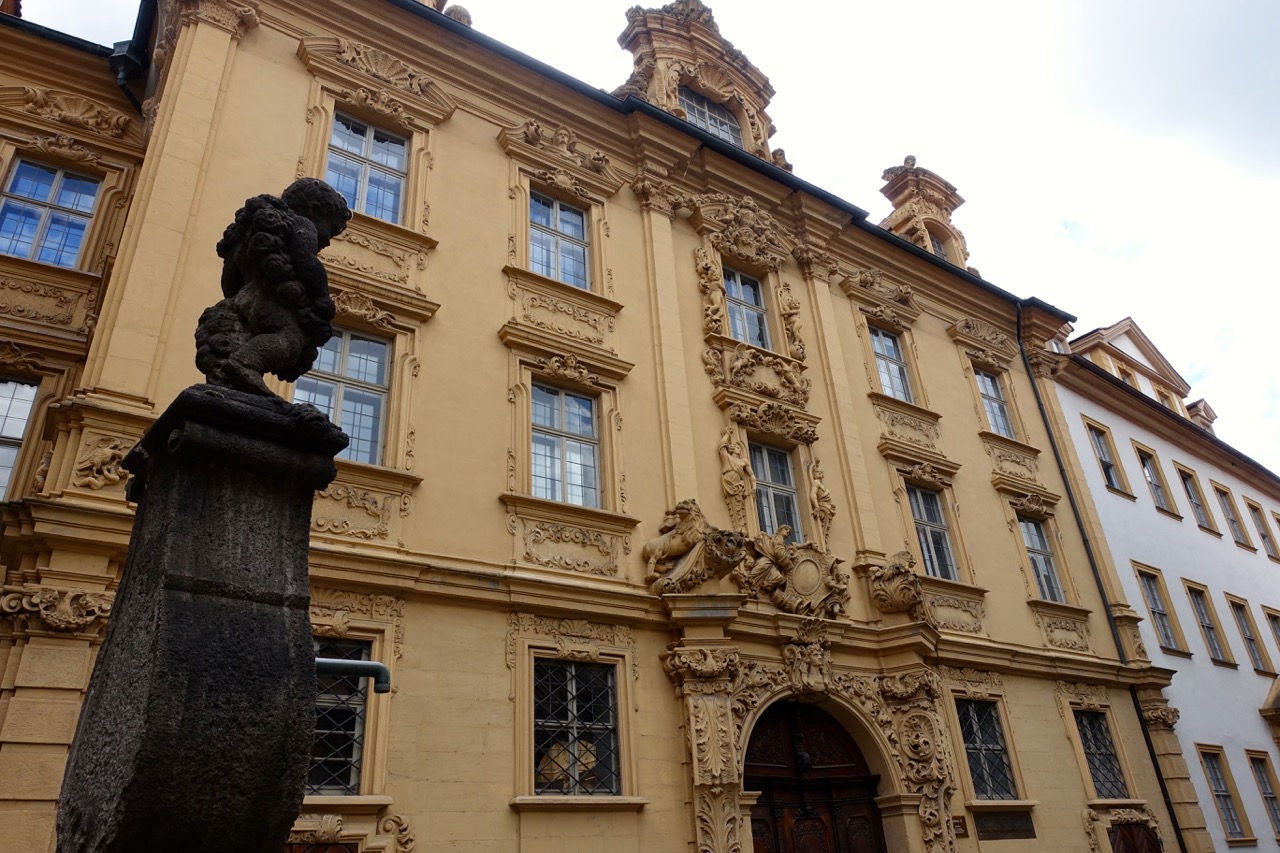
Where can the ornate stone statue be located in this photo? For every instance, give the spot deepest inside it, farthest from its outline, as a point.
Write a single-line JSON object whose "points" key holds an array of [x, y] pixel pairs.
{"points": [[690, 551], [736, 479], [275, 313]]}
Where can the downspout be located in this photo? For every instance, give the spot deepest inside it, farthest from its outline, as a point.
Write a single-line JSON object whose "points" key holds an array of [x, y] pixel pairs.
{"points": [[129, 58], [1097, 579]]}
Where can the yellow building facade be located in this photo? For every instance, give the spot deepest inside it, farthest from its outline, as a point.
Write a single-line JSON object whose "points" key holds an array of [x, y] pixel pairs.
{"points": [[689, 508]]}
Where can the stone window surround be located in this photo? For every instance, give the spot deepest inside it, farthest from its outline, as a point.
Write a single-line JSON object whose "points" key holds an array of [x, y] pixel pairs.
{"points": [[1123, 490], [1144, 453], [1246, 838], [1072, 697], [1211, 615], [1185, 471], [1182, 649], [1234, 601]]}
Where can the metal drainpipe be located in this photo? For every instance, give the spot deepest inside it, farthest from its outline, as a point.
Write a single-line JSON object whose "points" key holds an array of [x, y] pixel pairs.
{"points": [[1097, 579], [360, 669]]}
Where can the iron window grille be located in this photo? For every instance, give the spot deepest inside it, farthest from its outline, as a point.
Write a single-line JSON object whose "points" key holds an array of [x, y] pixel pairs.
{"points": [[575, 728], [932, 533], [1222, 794], [1103, 451], [45, 213], [1040, 554], [994, 404], [1194, 498], [777, 502], [558, 240], [1100, 754], [16, 400], [565, 447], [368, 166], [747, 317], [989, 766], [1244, 623], [349, 383], [1233, 521], [1159, 613], [711, 117], [891, 365], [1262, 775], [341, 712], [1208, 626]]}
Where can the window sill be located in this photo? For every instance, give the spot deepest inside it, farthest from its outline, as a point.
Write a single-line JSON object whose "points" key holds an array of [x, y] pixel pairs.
{"points": [[1250, 841], [1247, 547], [1228, 664], [592, 296], [1273, 559], [1122, 493], [1180, 653], [377, 476], [1265, 673], [527, 506], [1169, 513], [555, 803], [912, 408], [1000, 805], [354, 804], [1211, 531], [1101, 803]]}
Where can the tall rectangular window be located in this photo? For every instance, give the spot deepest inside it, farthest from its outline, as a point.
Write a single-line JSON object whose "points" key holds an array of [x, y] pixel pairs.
{"points": [[1100, 755], [1273, 622], [1154, 594], [1040, 554], [989, 765], [993, 403], [1106, 460], [566, 447], [747, 316], [1216, 772], [369, 167], [16, 400], [1195, 497], [1260, 764], [931, 531], [1228, 506], [45, 213], [349, 383], [1208, 623], [558, 240], [1155, 481], [777, 502], [1249, 633], [575, 728], [891, 364], [1264, 529], [341, 712]]}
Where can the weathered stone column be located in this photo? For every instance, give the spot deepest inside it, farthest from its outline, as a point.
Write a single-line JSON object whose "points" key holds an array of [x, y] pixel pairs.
{"points": [[197, 726]]}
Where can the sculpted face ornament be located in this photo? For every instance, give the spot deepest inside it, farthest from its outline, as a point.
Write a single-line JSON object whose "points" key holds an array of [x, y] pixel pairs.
{"points": [[276, 312]]}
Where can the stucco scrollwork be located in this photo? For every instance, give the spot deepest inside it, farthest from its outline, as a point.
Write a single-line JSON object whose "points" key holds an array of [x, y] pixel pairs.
{"points": [[774, 419], [237, 17], [382, 66], [689, 551], [57, 610], [790, 309], [98, 465], [562, 143], [312, 828], [869, 285], [808, 658], [562, 180], [37, 301], [574, 639], [925, 472], [76, 111], [711, 284], [597, 551], [400, 826], [815, 262], [351, 303], [799, 579], [63, 146], [1161, 716], [380, 101], [14, 356], [1090, 697], [567, 367], [375, 507], [903, 426], [895, 586], [1032, 504], [784, 380], [977, 683], [745, 231], [332, 611]]}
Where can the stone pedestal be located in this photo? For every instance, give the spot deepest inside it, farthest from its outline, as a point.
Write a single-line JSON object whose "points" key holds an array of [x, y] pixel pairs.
{"points": [[197, 727]]}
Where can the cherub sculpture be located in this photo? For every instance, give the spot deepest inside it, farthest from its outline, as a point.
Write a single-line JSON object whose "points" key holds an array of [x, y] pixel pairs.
{"points": [[276, 312]]}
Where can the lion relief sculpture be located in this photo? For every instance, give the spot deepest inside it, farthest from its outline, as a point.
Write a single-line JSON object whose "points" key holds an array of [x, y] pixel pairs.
{"points": [[689, 551]]}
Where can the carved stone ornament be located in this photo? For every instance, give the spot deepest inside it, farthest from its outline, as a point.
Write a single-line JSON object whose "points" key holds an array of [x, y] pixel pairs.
{"points": [[924, 472], [332, 611], [815, 262], [14, 356], [237, 17], [985, 337], [57, 610], [977, 683], [350, 303], [562, 143], [1093, 821], [808, 658], [774, 419], [593, 552], [1032, 504], [1045, 364], [1010, 461], [760, 372], [62, 146], [400, 826], [76, 111], [906, 427], [371, 517], [799, 579], [382, 66], [895, 586], [711, 284], [316, 829], [1089, 697], [1064, 632], [567, 367], [737, 480], [821, 503], [562, 180], [1160, 716], [574, 639], [745, 231], [380, 101], [690, 551], [952, 612], [870, 287], [98, 465], [37, 301], [790, 307]]}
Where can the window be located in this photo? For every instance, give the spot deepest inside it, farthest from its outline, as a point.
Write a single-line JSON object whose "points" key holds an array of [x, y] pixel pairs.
{"points": [[341, 710], [1165, 399], [1223, 788], [1273, 621], [993, 402], [777, 503], [1101, 442], [745, 297], [45, 213], [1100, 754], [891, 364], [558, 240], [368, 166], [566, 447], [713, 118], [575, 728], [1126, 376], [1040, 554], [1249, 633], [989, 765], [939, 248], [1229, 513], [1208, 622], [349, 383], [16, 399], [1153, 592], [1260, 764], [931, 531], [1155, 480], [1195, 497], [1264, 529]]}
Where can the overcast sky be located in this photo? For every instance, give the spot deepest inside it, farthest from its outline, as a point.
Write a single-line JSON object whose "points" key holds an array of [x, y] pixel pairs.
{"points": [[1119, 158]]}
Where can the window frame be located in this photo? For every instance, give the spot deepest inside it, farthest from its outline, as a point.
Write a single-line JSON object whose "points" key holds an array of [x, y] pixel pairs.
{"points": [[1003, 403], [48, 208], [368, 164], [902, 362], [1186, 474], [746, 309], [575, 726], [765, 485], [1207, 618], [1153, 474], [558, 235], [705, 106], [1260, 524], [361, 736], [1006, 749], [18, 443], [1271, 801], [1047, 534], [1230, 792], [1122, 486], [1247, 626], [945, 527], [1108, 720], [562, 434], [341, 382], [1156, 577], [1231, 514]]}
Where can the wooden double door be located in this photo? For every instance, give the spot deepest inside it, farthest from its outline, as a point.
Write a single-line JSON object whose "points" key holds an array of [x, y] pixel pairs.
{"points": [[817, 794]]}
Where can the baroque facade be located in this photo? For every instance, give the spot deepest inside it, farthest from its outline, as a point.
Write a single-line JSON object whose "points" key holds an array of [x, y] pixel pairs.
{"points": [[680, 494]]}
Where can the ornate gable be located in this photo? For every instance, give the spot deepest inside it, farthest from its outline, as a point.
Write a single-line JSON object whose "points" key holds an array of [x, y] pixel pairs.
{"points": [[922, 207]]}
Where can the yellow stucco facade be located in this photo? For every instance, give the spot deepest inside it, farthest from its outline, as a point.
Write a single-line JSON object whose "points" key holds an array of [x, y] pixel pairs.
{"points": [[936, 561]]}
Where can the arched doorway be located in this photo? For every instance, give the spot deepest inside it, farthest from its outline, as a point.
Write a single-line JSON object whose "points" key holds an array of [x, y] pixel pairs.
{"points": [[817, 794]]}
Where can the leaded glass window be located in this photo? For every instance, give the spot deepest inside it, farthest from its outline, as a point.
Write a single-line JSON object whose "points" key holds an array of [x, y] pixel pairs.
{"points": [[994, 404], [341, 712], [368, 166], [931, 531], [558, 240], [45, 213], [349, 383], [1159, 612], [711, 117], [575, 728], [891, 364], [565, 447], [1040, 555], [1100, 754], [989, 766], [777, 502], [16, 400], [747, 316], [1222, 797]]}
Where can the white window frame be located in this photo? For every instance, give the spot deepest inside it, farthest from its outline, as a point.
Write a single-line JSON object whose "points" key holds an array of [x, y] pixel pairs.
{"points": [[368, 165], [340, 381], [559, 236], [703, 113], [1040, 555], [560, 435], [918, 498], [891, 361], [743, 310], [7, 439], [994, 404], [769, 490], [49, 208]]}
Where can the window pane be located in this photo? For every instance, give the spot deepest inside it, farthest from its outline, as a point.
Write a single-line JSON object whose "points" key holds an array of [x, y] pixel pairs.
{"points": [[33, 181], [573, 264], [387, 150], [15, 407], [348, 135], [546, 466], [77, 193], [580, 474], [343, 174], [327, 361], [383, 198], [546, 407], [779, 467], [1100, 753], [18, 226], [61, 243], [367, 361], [751, 291], [578, 416], [362, 421], [541, 209], [542, 253], [317, 393], [8, 459], [573, 222], [575, 748]]}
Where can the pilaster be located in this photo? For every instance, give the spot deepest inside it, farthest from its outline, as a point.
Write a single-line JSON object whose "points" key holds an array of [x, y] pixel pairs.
{"points": [[1160, 718]]}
